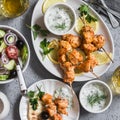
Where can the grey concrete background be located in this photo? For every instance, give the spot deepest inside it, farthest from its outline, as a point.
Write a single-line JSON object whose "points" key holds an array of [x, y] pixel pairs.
{"points": [[36, 71]]}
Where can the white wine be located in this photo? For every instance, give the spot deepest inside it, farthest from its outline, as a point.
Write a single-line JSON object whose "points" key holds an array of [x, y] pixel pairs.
{"points": [[13, 8], [115, 81]]}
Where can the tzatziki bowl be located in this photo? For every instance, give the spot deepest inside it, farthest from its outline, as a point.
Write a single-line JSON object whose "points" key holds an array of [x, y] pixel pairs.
{"points": [[60, 18], [95, 96]]}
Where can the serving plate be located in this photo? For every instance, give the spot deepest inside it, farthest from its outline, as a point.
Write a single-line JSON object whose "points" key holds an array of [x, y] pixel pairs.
{"points": [[49, 86], [38, 18]]}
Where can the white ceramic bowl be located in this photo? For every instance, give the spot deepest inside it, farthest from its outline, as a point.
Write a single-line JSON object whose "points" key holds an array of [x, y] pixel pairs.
{"points": [[4, 106], [59, 17], [83, 95], [4, 27]]}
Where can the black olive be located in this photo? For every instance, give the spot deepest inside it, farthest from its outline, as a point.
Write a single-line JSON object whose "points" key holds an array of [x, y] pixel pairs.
{"points": [[13, 73], [44, 115], [20, 44]]}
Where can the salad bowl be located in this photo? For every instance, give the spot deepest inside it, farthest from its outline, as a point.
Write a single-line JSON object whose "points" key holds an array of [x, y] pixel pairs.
{"points": [[14, 49]]}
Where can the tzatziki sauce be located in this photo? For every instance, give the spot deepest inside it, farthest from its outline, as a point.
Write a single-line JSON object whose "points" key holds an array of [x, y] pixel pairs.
{"points": [[94, 97], [60, 19]]}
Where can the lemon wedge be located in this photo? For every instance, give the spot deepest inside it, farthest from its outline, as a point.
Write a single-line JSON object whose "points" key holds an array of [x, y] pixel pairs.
{"points": [[101, 57], [48, 3], [79, 25], [53, 55]]}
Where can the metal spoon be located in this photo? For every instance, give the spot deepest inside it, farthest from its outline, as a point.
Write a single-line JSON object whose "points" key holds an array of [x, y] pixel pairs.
{"points": [[113, 20]]}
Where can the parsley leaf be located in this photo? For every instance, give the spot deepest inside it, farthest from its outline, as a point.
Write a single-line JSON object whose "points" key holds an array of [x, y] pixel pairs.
{"points": [[44, 45], [90, 18], [41, 93], [36, 29], [31, 94], [84, 11], [34, 103]]}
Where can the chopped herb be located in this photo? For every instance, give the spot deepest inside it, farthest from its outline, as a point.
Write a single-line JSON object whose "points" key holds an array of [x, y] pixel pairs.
{"points": [[34, 103], [95, 98], [36, 29], [31, 94], [90, 18], [44, 45], [84, 11], [60, 26], [41, 93]]}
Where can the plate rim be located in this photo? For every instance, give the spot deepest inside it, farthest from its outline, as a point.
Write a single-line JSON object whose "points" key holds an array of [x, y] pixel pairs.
{"points": [[54, 80], [109, 34]]}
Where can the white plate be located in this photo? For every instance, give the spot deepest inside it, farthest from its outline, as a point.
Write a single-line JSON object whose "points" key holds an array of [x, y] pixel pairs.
{"points": [[49, 86], [37, 18]]}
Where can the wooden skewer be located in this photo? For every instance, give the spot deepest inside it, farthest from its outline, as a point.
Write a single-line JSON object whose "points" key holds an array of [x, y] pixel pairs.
{"points": [[95, 74], [71, 88], [107, 55]]}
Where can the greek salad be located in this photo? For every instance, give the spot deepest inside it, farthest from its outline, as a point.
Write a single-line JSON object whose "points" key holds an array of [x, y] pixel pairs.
{"points": [[12, 50]]}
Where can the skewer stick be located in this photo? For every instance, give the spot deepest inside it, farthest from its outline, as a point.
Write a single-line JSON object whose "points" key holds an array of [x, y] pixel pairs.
{"points": [[94, 74], [71, 88], [107, 55]]}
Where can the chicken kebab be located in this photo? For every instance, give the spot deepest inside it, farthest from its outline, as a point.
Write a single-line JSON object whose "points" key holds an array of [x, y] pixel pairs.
{"points": [[70, 57]]}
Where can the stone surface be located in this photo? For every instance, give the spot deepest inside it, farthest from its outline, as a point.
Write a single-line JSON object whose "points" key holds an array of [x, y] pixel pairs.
{"points": [[36, 71]]}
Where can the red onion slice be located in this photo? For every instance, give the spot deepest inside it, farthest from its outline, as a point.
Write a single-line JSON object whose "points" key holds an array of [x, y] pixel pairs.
{"points": [[10, 38], [4, 59]]}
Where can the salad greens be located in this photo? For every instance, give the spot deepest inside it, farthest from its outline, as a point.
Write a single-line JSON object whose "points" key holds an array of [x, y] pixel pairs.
{"points": [[84, 11], [95, 98], [36, 29], [24, 54]]}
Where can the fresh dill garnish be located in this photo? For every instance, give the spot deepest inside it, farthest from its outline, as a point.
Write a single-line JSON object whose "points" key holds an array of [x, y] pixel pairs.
{"points": [[95, 98], [61, 26], [84, 11]]}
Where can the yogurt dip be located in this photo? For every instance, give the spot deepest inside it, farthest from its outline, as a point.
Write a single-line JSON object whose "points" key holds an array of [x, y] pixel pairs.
{"points": [[59, 19], [95, 97]]}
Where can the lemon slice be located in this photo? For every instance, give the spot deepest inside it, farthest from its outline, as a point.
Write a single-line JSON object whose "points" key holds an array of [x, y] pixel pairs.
{"points": [[79, 25], [53, 55], [48, 3], [101, 57]]}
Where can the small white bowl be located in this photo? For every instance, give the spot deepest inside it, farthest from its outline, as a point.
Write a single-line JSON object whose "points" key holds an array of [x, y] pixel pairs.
{"points": [[4, 106], [5, 27], [86, 90], [60, 18]]}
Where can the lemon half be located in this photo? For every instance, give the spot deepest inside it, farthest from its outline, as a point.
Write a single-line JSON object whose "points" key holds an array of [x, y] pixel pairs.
{"points": [[79, 25], [48, 3], [53, 55], [101, 57]]}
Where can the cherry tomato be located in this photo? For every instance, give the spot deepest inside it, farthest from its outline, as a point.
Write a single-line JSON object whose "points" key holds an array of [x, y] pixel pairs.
{"points": [[12, 52]]}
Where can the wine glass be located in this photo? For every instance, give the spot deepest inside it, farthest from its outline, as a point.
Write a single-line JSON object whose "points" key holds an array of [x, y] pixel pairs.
{"points": [[13, 8]]}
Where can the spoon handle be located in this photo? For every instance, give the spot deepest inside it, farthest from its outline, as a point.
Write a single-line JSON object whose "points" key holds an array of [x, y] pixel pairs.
{"points": [[21, 80], [113, 20]]}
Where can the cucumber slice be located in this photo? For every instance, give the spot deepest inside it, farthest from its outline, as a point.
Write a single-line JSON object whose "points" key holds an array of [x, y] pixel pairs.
{"points": [[2, 46], [10, 65], [2, 33], [4, 77]]}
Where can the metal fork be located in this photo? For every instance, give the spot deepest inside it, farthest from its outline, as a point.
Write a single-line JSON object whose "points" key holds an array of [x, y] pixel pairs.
{"points": [[113, 20]]}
